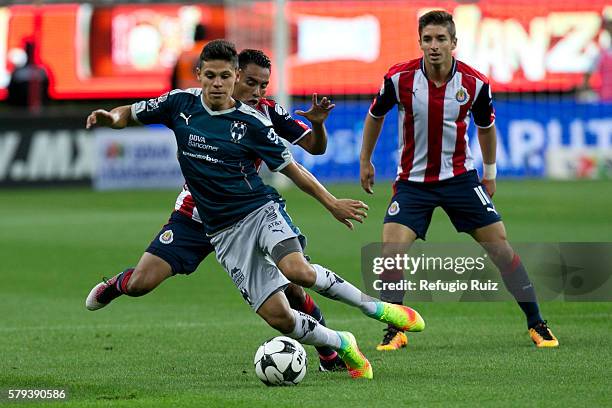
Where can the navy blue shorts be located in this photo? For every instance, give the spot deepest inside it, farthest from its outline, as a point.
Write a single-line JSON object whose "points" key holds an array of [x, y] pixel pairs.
{"points": [[463, 198], [183, 243]]}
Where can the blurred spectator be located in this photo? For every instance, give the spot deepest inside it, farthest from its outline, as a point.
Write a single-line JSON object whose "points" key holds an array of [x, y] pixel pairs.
{"points": [[602, 64], [184, 74], [29, 83]]}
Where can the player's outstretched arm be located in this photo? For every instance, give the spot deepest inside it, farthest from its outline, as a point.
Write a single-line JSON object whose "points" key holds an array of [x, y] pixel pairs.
{"points": [[342, 209], [117, 118], [371, 131], [487, 137], [316, 141]]}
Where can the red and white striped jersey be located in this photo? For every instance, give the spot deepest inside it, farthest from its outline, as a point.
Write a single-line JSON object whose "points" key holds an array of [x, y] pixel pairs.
{"points": [[433, 121], [290, 129]]}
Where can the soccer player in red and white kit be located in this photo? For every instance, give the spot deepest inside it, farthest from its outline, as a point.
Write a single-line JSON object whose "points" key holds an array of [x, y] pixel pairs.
{"points": [[436, 95], [181, 245]]}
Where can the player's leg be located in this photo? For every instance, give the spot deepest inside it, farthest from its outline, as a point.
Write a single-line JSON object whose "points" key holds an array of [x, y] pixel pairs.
{"points": [[275, 310], [241, 250], [288, 257], [408, 216], [302, 302], [179, 247], [514, 275], [471, 210], [397, 239]]}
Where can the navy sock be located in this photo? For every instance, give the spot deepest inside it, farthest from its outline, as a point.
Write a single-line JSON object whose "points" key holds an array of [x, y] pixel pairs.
{"points": [[517, 282]]}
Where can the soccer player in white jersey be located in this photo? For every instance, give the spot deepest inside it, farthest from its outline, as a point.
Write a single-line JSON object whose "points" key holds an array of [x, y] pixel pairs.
{"points": [[252, 234], [181, 245], [436, 95]]}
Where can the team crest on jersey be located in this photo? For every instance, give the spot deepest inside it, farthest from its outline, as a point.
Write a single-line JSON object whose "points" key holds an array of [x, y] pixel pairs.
{"points": [[167, 237], [462, 96], [394, 209], [238, 131]]}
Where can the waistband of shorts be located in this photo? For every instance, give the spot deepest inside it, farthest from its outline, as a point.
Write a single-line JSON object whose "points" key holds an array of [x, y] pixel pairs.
{"points": [[246, 217], [467, 174]]}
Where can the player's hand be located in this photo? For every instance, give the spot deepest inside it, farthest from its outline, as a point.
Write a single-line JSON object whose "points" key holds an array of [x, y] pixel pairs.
{"points": [[319, 111], [490, 186], [100, 118], [366, 175], [346, 209]]}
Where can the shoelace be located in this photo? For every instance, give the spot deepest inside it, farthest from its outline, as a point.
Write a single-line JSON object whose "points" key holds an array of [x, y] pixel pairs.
{"points": [[542, 330], [391, 332]]}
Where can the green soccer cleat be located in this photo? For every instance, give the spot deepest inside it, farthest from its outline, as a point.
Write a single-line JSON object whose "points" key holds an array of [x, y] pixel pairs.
{"points": [[358, 366], [402, 317]]}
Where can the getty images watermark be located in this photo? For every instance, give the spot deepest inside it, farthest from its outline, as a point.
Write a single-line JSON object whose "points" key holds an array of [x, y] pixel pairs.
{"points": [[466, 272]]}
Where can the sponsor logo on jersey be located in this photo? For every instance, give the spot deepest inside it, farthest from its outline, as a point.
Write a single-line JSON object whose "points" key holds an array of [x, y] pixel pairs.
{"points": [[462, 96], [238, 131], [152, 104], [273, 137], [167, 237], [140, 106], [163, 97], [394, 209]]}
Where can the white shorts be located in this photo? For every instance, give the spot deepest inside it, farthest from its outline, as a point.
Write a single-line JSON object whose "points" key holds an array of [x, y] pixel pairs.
{"points": [[244, 251]]}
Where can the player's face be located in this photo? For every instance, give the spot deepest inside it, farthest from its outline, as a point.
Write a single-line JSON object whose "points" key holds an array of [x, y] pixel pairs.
{"points": [[217, 78], [437, 44], [252, 84]]}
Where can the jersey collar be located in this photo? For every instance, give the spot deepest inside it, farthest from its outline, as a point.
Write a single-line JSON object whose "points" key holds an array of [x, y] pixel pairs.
{"points": [[453, 68], [215, 113]]}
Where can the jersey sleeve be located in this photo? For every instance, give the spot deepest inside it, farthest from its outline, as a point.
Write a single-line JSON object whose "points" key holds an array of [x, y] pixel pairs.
{"points": [[385, 100], [156, 110], [482, 108], [290, 129], [268, 146]]}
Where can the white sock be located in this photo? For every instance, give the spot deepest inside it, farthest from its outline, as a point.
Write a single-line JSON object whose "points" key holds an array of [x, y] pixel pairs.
{"points": [[308, 331], [332, 286]]}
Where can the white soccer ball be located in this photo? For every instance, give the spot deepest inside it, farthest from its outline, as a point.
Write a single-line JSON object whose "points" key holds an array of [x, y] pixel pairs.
{"points": [[281, 361]]}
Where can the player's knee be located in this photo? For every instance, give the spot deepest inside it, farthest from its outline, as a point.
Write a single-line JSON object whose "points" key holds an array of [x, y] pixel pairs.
{"points": [[300, 272], [295, 295], [500, 251], [281, 320]]}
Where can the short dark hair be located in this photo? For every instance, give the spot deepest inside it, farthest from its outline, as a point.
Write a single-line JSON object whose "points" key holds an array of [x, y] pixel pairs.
{"points": [[220, 50], [438, 17], [257, 57]]}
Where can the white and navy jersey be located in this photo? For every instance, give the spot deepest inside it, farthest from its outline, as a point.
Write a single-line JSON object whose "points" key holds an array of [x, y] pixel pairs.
{"points": [[218, 153], [290, 129], [433, 121]]}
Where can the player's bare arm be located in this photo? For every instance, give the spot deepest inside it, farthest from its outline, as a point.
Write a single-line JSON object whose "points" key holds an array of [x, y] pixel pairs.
{"points": [[316, 141], [371, 131], [118, 118], [487, 137], [342, 209]]}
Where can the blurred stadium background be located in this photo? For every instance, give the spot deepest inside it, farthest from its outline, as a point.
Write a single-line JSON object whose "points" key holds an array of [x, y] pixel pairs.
{"points": [[191, 342], [102, 54]]}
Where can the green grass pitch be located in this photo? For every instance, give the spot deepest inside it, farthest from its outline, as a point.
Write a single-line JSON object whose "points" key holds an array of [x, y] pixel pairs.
{"points": [[191, 342]]}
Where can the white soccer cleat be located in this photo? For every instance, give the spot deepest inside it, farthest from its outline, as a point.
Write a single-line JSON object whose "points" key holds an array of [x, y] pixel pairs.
{"points": [[99, 296]]}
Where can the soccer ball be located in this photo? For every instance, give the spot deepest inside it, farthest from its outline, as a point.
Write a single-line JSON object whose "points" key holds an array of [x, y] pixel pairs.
{"points": [[281, 361]]}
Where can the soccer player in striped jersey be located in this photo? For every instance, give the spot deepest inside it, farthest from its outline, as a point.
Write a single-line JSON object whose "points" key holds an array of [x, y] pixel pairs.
{"points": [[219, 141], [181, 245], [436, 95]]}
